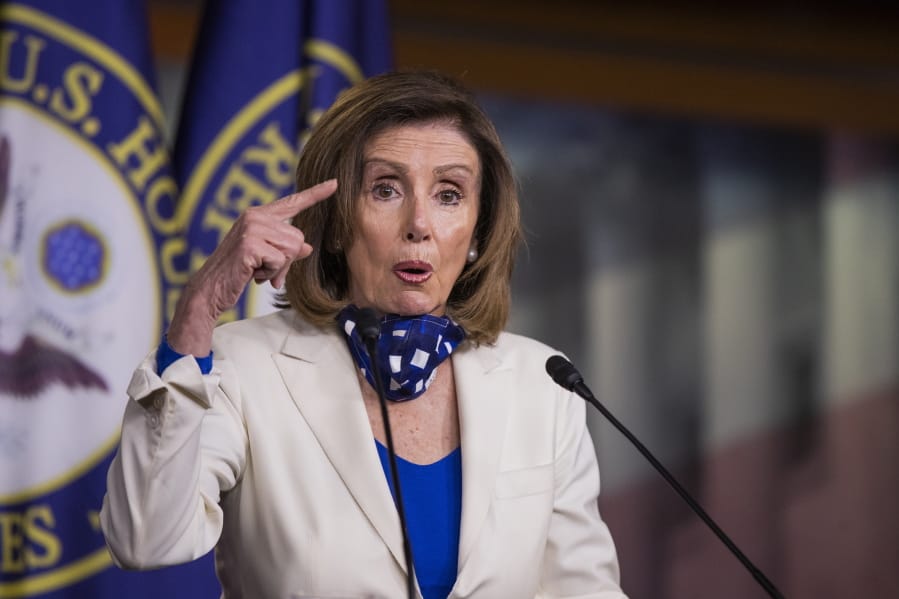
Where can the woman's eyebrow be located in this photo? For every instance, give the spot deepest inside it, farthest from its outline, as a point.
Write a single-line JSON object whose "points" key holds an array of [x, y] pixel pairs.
{"points": [[375, 161], [440, 170]]}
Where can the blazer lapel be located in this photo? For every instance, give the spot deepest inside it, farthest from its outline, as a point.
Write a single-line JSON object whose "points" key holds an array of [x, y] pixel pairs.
{"points": [[482, 388], [319, 362]]}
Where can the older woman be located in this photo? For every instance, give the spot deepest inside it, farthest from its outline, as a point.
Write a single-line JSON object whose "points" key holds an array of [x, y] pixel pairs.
{"points": [[272, 450]]}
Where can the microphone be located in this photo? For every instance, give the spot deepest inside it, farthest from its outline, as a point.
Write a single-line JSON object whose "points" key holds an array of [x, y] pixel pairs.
{"points": [[370, 329], [566, 375]]}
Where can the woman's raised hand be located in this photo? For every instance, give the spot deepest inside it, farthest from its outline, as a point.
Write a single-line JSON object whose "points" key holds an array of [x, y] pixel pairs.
{"points": [[261, 245]]}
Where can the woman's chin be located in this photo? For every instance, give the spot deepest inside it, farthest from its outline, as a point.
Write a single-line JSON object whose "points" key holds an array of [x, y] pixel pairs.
{"points": [[414, 306], [405, 302]]}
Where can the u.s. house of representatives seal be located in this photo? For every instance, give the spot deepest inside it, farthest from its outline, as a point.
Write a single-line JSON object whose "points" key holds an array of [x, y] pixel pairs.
{"points": [[85, 197]]}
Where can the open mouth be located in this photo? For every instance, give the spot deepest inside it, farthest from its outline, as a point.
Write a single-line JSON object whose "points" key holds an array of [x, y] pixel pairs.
{"points": [[413, 272]]}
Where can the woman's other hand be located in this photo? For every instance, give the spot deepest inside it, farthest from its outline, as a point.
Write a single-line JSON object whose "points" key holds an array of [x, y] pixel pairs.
{"points": [[261, 245]]}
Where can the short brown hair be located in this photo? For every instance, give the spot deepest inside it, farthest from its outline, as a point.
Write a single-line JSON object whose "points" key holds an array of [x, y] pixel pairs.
{"points": [[317, 286]]}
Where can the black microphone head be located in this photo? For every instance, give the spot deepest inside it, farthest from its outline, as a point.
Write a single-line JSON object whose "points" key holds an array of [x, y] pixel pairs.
{"points": [[563, 372], [369, 324]]}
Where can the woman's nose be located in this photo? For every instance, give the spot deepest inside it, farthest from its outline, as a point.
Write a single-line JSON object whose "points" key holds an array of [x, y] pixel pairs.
{"points": [[418, 223]]}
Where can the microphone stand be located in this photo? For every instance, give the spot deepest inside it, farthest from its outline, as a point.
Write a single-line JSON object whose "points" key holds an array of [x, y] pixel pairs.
{"points": [[565, 374], [370, 329]]}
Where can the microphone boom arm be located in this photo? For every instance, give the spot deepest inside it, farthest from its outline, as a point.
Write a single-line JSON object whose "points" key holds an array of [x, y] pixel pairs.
{"points": [[369, 329], [566, 375]]}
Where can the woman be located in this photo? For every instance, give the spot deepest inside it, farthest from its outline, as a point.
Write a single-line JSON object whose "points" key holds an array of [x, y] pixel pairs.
{"points": [[272, 452]]}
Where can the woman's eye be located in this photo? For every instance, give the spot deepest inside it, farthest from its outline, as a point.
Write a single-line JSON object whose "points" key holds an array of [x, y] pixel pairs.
{"points": [[449, 196], [383, 191]]}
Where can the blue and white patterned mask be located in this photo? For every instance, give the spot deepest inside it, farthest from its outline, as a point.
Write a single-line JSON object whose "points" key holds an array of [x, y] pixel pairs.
{"points": [[409, 350]]}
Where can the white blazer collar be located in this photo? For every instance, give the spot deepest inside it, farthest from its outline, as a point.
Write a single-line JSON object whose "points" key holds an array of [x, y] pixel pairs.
{"points": [[312, 359], [482, 385]]}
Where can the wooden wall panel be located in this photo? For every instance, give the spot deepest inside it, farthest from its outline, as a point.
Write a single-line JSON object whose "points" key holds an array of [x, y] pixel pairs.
{"points": [[835, 66]]}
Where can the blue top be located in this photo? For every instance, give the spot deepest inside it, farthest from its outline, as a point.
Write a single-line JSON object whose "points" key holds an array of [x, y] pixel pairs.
{"points": [[432, 496], [166, 356]]}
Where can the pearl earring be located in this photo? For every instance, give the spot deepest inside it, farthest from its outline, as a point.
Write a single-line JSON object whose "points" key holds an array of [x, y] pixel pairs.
{"points": [[472, 255]]}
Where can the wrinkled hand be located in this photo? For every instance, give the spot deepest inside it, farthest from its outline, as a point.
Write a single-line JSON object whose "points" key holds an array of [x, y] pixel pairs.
{"points": [[261, 246]]}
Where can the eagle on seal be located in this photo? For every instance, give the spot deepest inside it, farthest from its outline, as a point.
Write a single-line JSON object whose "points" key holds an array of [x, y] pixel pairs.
{"points": [[28, 364]]}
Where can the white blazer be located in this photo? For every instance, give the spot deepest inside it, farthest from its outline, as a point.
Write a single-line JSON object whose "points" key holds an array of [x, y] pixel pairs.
{"points": [[270, 459]]}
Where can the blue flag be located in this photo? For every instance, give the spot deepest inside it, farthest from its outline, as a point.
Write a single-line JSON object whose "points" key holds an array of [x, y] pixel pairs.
{"points": [[86, 211], [263, 72]]}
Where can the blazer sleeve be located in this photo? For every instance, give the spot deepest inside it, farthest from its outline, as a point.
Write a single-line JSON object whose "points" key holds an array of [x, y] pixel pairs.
{"points": [[183, 444], [580, 559]]}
